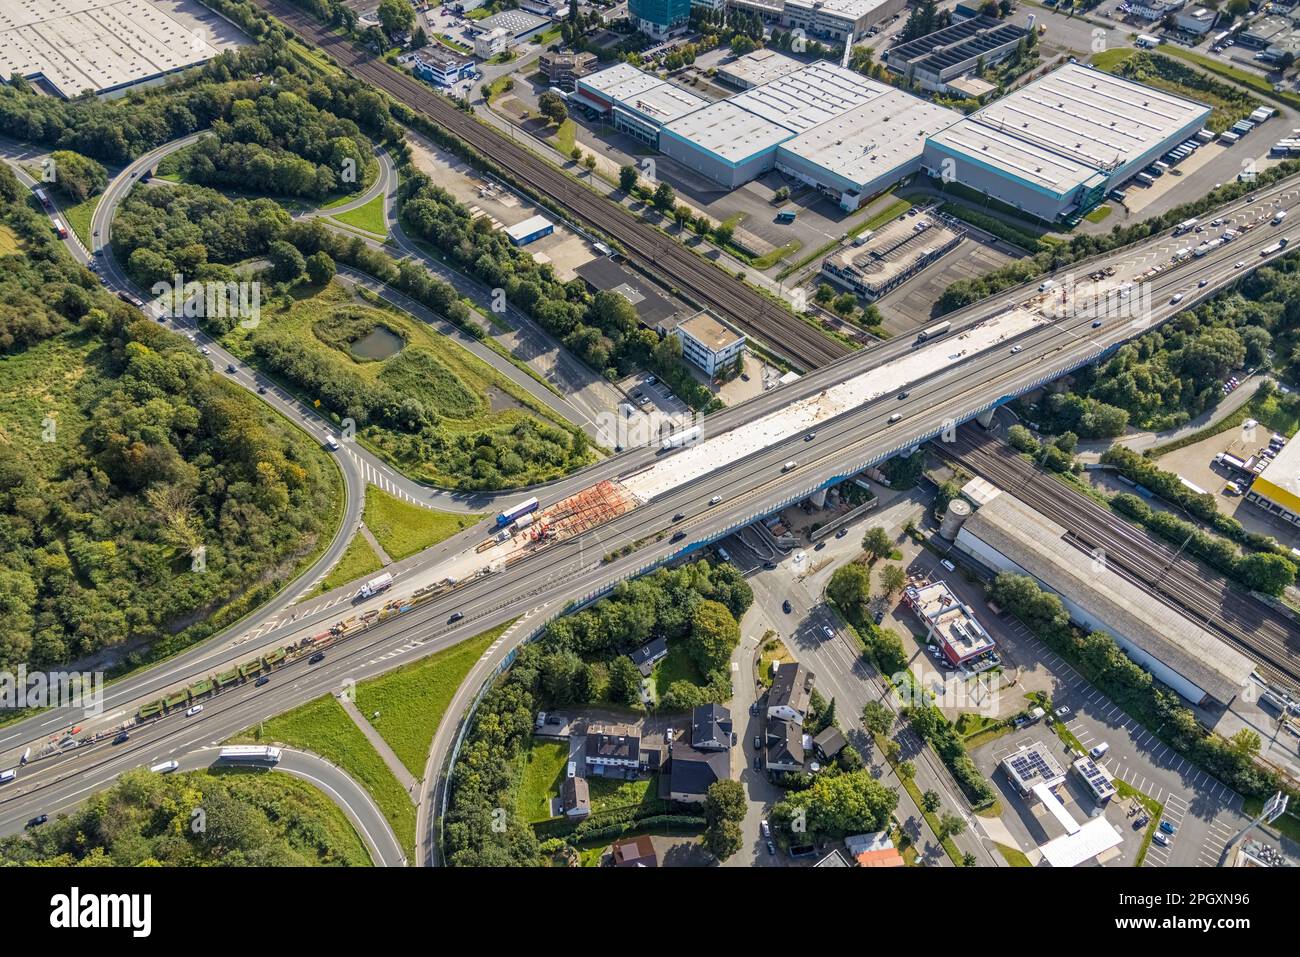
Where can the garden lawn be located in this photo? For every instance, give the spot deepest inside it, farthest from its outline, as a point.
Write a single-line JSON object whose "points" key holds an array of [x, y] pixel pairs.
{"points": [[79, 218], [412, 700], [544, 764], [677, 665], [403, 528], [607, 793], [324, 728]]}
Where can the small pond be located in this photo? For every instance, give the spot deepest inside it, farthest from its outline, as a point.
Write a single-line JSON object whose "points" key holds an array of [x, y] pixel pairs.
{"points": [[378, 344]]}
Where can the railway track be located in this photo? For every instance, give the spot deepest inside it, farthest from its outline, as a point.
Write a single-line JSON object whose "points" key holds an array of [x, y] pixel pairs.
{"points": [[1263, 633], [759, 317]]}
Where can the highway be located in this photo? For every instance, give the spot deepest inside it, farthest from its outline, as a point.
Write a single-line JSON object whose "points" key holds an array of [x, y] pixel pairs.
{"points": [[574, 568], [1265, 634]]}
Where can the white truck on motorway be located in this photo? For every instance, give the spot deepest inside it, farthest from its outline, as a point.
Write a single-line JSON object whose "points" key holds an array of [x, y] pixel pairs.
{"points": [[376, 585]]}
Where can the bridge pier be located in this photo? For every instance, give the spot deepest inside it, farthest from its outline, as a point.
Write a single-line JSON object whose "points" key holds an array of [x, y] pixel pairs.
{"points": [[985, 418], [819, 498]]}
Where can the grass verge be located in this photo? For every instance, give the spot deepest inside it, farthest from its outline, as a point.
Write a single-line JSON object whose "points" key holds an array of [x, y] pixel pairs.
{"points": [[403, 529], [358, 559], [412, 700], [369, 217]]}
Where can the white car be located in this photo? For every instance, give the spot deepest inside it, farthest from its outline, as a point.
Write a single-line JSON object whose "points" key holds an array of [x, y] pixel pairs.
{"points": [[1238, 264], [1015, 349], [197, 709], [165, 767], [826, 630], [947, 564], [1178, 297]]}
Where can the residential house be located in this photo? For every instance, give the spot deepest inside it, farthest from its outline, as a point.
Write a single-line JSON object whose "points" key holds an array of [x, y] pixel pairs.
{"points": [[711, 728], [874, 850], [784, 750], [790, 693], [691, 771], [635, 852], [613, 752], [575, 797], [830, 742], [648, 654]]}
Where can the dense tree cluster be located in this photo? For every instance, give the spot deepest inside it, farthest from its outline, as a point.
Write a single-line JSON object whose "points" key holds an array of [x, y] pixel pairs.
{"points": [[77, 177], [556, 670], [281, 144], [159, 457], [1120, 678], [149, 820], [838, 804]]}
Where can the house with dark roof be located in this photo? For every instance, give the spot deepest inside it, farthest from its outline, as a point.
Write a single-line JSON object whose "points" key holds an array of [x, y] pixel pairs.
{"points": [[645, 657], [791, 691], [711, 728], [613, 751], [635, 852], [575, 797], [784, 746], [830, 742], [691, 771]]}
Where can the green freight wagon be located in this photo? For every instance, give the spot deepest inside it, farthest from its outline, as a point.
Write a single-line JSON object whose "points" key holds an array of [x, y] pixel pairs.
{"points": [[201, 687], [276, 657], [250, 668], [228, 678], [178, 700], [151, 710]]}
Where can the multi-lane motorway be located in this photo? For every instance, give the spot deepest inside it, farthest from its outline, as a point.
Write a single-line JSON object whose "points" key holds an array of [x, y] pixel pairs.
{"points": [[571, 569]]}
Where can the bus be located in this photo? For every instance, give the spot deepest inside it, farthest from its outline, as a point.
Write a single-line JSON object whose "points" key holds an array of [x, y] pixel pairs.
{"points": [[1186, 226], [523, 508], [250, 754]]}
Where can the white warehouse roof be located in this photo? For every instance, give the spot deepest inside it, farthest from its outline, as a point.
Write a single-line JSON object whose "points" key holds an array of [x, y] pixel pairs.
{"points": [[98, 44], [728, 132], [1058, 130], [801, 100], [1037, 544], [1070, 850], [873, 138]]}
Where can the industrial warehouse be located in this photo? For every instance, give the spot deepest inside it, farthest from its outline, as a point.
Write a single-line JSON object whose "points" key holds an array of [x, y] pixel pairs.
{"points": [[1007, 535], [1055, 147], [103, 46], [1051, 149]]}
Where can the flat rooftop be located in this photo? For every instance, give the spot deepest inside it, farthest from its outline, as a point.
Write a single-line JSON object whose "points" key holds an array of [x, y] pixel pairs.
{"points": [[808, 97], [873, 138], [951, 618], [605, 275], [1095, 837], [759, 67], [1033, 764], [710, 331], [1282, 473], [517, 23], [729, 132], [1055, 132], [102, 45], [622, 79], [1038, 545], [894, 248], [852, 9], [964, 40], [661, 104]]}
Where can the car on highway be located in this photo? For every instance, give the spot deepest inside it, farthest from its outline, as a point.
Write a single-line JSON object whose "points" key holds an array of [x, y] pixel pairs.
{"points": [[819, 546], [455, 617], [316, 658], [715, 500], [264, 680], [841, 533], [897, 416], [677, 536], [197, 709], [203, 350], [1015, 349], [1238, 264], [1202, 284], [332, 442], [810, 436], [1216, 224], [122, 737], [904, 394], [947, 564], [826, 630], [1176, 298], [230, 367], [1096, 323], [786, 606], [1168, 828], [165, 767], [679, 516], [37, 821]]}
